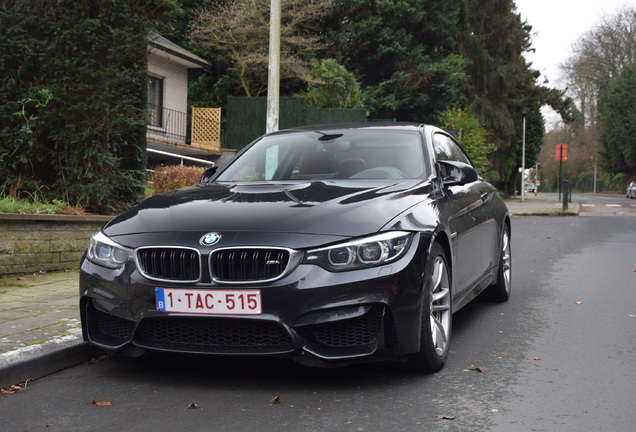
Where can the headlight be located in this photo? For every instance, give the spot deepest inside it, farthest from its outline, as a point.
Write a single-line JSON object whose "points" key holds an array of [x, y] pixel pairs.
{"points": [[367, 252], [107, 253]]}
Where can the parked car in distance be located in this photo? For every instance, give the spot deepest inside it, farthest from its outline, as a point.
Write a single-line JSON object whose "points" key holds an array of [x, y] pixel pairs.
{"points": [[530, 187], [329, 245], [631, 190]]}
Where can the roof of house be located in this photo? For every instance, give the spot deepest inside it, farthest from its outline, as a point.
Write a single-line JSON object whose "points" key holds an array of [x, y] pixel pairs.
{"points": [[175, 53]]}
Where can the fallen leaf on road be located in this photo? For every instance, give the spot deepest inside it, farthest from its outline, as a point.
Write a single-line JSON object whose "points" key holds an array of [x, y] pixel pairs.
{"points": [[445, 417], [536, 358], [274, 400], [579, 302], [98, 360], [94, 402], [193, 406], [15, 387], [476, 369]]}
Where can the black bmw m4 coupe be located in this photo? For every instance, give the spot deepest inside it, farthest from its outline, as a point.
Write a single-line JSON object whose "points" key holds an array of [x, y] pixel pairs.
{"points": [[326, 244]]}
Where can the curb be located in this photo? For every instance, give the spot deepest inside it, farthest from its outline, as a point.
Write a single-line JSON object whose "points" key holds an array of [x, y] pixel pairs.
{"points": [[545, 214], [21, 365], [573, 210]]}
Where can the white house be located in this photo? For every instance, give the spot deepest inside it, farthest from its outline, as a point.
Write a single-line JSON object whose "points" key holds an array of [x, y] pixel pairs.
{"points": [[168, 66]]}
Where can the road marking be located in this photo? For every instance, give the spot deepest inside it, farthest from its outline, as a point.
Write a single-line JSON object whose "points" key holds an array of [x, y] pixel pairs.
{"points": [[587, 205], [612, 205]]}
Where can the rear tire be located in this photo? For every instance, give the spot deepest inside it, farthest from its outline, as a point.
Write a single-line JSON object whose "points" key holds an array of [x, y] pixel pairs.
{"points": [[436, 315], [500, 290]]}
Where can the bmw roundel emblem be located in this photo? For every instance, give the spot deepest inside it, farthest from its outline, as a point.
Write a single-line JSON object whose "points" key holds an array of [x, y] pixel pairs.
{"points": [[210, 239]]}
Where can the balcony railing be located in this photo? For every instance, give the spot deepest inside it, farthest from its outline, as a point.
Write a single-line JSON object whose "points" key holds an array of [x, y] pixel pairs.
{"points": [[168, 126]]}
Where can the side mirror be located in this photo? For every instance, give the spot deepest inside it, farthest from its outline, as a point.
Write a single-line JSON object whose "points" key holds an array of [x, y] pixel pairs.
{"points": [[457, 173], [207, 174]]}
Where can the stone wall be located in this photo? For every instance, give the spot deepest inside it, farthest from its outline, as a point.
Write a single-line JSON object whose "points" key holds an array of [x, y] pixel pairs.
{"points": [[34, 243]]}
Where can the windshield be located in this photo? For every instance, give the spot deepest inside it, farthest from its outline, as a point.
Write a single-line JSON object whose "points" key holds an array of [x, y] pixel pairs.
{"points": [[341, 154]]}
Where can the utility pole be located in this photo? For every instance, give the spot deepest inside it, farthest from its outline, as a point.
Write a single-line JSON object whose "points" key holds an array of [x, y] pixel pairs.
{"points": [[273, 75], [524, 111]]}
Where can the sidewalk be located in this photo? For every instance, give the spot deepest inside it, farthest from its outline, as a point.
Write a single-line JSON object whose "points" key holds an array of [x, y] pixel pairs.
{"points": [[40, 329], [541, 204], [38, 308]]}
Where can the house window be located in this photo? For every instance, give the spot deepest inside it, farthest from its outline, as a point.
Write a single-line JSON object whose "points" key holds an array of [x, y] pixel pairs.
{"points": [[155, 101]]}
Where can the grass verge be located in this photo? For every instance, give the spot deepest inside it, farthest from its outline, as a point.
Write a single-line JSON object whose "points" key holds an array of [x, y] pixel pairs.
{"points": [[9, 204]]}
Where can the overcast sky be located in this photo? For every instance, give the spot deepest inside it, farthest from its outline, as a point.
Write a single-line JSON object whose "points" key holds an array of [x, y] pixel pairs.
{"points": [[557, 24]]}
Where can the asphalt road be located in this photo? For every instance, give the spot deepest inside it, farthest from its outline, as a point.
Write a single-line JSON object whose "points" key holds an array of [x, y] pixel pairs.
{"points": [[559, 355], [605, 205]]}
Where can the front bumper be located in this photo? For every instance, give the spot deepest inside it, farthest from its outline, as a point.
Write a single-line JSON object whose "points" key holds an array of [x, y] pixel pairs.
{"points": [[370, 313]]}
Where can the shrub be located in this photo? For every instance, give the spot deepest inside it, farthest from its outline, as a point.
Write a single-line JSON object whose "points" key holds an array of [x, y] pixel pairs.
{"points": [[167, 178]]}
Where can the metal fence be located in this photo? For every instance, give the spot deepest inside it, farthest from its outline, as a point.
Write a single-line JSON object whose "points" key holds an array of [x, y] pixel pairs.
{"points": [[167, 125], [245, 117]]}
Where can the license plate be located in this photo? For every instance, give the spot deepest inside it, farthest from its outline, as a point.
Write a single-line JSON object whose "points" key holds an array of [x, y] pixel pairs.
{"points": [[210, 302]]}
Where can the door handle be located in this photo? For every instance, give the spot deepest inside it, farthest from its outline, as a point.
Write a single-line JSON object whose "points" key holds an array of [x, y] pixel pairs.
{"points": [[483, 196]]}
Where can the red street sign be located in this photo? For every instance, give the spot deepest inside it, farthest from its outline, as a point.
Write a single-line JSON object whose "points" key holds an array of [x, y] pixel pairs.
{"points": [[561, 154]]}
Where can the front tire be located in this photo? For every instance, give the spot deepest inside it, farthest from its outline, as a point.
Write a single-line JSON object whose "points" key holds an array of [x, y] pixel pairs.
{"points": [[500, 290], [436, 315]]}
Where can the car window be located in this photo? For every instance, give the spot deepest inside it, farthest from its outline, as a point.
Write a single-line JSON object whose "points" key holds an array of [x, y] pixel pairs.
{"points": [[344, 154], [447, 149]]}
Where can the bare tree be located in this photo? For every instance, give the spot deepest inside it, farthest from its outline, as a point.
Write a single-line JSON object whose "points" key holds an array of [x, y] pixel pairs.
{"points": [[598, 56], [239, 29]]}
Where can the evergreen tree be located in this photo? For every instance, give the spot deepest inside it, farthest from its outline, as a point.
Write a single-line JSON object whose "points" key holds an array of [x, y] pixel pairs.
{"points": [[501, 82], [404, 53], [335, 87], [618, 114]]}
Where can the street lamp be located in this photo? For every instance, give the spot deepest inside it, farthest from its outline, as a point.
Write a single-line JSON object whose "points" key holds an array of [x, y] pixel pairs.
{"points": [[524, 111]]}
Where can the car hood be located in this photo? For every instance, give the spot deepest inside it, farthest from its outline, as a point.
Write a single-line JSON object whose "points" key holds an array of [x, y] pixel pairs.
{"points": [[335, 208]]}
